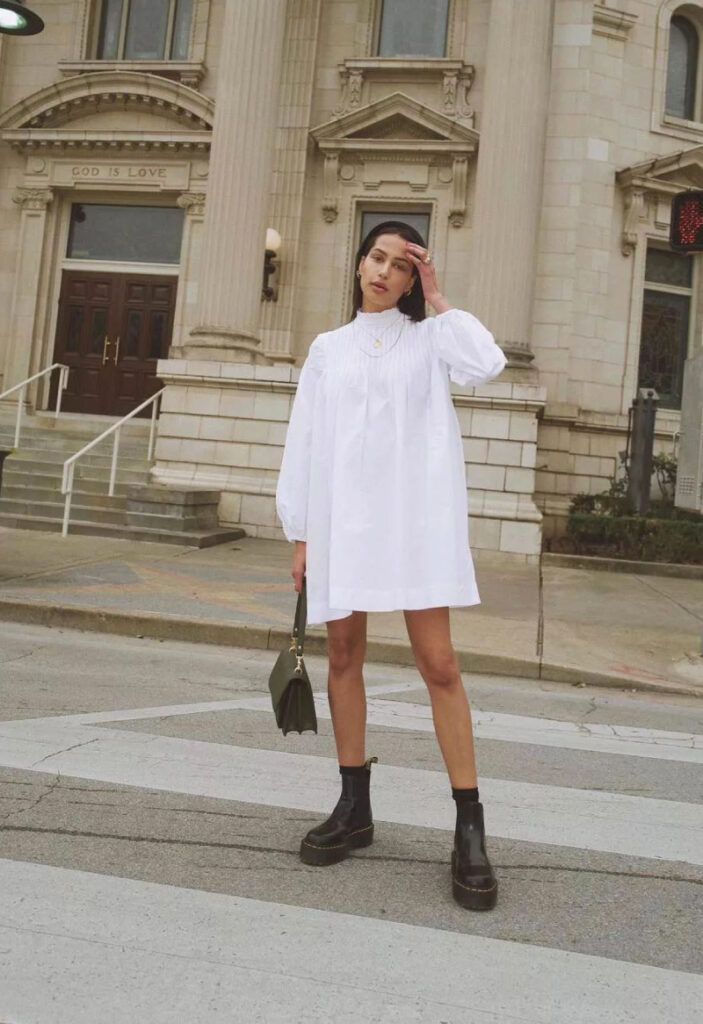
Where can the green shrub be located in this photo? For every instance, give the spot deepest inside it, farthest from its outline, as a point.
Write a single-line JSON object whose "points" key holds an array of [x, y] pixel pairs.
{"points": [[636, 537]]}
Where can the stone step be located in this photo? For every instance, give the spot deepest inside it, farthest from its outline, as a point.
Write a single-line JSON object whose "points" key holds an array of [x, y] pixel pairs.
{"points": [[30, 457], [81, 498], [200, 539], [54, 510], [93, 481], [70, 425], [51, 482]]}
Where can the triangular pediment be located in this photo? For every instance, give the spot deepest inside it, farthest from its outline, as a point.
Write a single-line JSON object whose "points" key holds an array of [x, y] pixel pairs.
{"points": [[392, 121], [104, 100], [668, 174]]}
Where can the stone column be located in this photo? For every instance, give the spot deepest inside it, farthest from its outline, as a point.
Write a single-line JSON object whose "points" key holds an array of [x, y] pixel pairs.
{"points": [[510, 171], [239, 186], [25, 297]]}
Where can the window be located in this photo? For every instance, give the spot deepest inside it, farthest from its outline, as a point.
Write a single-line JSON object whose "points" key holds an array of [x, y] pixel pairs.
{"points": [[413, 28], [131, 234], [682, 69], [144, 29], [666, 316], [419, 221]]}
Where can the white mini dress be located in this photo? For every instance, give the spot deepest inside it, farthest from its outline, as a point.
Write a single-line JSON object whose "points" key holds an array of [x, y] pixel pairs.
{"points": [[373, 475]]}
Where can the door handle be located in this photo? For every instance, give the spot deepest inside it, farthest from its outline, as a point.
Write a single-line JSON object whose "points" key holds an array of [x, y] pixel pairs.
{"points": [[117, 349], [106, 345]]}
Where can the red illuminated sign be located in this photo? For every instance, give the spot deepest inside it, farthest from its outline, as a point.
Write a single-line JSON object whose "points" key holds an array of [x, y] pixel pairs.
{"points": [[686, 232]]}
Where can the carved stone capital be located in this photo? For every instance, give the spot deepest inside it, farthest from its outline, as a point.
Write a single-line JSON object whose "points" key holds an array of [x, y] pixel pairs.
{"points": [[33, 198], [193, 203]]}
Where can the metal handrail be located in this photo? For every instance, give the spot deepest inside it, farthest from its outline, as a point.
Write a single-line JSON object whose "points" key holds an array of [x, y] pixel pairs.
{"points": [[70, 463], [22, 388]]}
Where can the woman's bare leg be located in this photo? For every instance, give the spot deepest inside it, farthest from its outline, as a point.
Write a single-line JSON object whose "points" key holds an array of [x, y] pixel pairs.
{"points": [[430, 638], [346, 648]]}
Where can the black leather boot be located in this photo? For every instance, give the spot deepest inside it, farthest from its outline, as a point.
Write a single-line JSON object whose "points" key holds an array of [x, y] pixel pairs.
{"points": [[349, 826], [473, 883]]}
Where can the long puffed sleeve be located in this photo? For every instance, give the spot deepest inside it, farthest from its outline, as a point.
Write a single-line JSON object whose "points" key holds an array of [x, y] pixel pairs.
{"points": [[467, 347], [294, 477]]}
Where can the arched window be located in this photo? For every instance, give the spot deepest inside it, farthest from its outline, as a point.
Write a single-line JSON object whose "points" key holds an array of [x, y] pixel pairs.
{"points": [[682, 69]]}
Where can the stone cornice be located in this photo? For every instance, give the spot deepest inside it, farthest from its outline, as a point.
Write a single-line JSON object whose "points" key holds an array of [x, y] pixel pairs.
{"points": [[616, 24], [27, 139]]}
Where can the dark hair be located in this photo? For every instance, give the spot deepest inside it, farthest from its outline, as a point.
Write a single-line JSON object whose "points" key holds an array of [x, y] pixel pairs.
{"points": [[413, 305]]}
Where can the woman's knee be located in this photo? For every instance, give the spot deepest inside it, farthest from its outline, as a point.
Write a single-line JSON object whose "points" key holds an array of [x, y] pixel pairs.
{"points": [[440, 672], [346, 644]]}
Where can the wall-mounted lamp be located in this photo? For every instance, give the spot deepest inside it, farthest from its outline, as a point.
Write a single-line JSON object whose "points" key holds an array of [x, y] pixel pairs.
{"points": [[271, 262], [18, 20]]}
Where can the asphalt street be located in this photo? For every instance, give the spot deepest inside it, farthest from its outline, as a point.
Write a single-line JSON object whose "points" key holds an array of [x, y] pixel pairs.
{"points": [[150, 817]]}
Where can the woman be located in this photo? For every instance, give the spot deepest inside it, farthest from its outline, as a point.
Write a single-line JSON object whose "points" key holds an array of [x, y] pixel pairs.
{"points": [[372, 491]]}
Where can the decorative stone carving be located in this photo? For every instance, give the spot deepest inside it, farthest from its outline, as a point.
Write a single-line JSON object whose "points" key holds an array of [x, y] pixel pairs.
{"points": [[36, 199], [43, 120], [454, 78], [455, 91], [329, 203], [403, 132], [193, 203], [634, 210], [457, 212]]}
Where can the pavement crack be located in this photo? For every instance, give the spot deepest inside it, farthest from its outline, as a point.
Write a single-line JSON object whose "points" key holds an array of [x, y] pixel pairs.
{"points": [[668, 597], [42, 796], [83, 743]]}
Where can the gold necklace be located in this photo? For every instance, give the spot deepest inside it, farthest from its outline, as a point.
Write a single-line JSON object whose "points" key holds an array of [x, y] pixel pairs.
{"points": [[377, 343]]}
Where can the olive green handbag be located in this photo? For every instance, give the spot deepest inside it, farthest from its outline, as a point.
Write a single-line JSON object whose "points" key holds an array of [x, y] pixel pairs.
{"points": [[291, 692]]}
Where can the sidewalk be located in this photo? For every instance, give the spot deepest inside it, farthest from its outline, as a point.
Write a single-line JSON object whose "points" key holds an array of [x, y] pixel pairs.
{"points": [[598, 628]]}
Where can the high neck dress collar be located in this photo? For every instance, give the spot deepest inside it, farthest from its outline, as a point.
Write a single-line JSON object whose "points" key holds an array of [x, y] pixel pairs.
{"points": [[375, 320]]}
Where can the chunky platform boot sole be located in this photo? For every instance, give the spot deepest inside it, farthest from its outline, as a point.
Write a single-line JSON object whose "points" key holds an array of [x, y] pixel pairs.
{"points": [[469, 896], [320, 856]]}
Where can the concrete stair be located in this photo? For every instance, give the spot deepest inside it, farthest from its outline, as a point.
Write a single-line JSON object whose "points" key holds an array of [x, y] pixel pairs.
{"points": [[31, 498]]}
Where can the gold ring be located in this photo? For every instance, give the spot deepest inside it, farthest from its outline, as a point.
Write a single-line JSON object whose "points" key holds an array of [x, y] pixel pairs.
{"points": [[427, 259]]}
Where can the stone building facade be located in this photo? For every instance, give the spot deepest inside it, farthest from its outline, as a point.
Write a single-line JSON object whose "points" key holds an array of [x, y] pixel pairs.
{"points": [[145, 148]]}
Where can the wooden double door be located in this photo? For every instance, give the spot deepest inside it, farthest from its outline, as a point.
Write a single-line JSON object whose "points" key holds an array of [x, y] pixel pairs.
{"points": [[111, 330]]}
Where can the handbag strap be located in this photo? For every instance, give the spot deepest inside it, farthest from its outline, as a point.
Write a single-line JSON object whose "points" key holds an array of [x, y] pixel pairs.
{"points": [[301, 618]]}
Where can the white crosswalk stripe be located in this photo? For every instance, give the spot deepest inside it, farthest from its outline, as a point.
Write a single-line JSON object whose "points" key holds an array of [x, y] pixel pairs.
{"points": [[77, 947], [87, 945]]}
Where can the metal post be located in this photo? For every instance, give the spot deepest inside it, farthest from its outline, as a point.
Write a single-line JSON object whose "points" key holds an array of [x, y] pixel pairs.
{"points": [[113, 469], [644, 412], [63, 381], [20, 406], [67, 503], [152, 431]]}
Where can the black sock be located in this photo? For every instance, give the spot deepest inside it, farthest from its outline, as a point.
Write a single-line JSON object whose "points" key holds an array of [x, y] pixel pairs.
{"points": [[465, 796], [360, 770]]}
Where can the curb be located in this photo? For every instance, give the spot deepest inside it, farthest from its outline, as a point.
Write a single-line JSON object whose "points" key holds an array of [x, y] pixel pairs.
{"points": [[208, 631], [677, 570]]}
